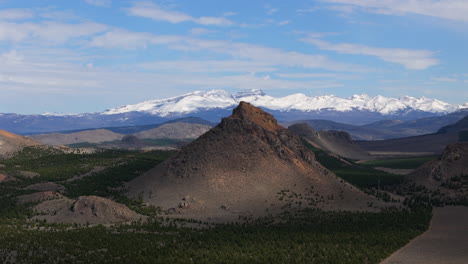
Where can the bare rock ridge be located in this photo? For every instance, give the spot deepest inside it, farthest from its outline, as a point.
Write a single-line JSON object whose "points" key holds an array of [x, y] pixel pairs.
{"points": [[336, 142], [11, 143], [448, 173], [240, 167]]}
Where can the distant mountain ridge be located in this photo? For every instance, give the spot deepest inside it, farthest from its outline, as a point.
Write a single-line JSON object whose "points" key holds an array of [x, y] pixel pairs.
{"points": [[215, 104], [200, 100]]}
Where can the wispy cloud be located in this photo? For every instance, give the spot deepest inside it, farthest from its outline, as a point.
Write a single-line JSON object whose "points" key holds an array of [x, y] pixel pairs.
{"points": [[237, 50], [270, 10], [155, 12], [104, 3], [206, 66], [409, 58], [50, 32], [16, 14], [201, 31], [443, 79], [448, 9], [318, 76]]}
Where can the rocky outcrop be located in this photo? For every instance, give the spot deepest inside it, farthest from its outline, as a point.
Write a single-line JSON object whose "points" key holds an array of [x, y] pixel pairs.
{"points": [[85, 210], [241, 166], [448, 173]]}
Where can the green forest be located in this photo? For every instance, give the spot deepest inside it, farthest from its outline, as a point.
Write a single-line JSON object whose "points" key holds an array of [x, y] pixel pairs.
{"points": [[305, 236]]}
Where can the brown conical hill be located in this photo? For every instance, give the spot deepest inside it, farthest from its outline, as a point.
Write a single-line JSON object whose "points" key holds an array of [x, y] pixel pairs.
{"points": [[248, 164], [337, 142], [11, 143]]}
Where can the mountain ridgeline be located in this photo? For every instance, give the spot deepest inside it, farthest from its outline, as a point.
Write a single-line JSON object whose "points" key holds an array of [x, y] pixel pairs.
{"points": [[216, 104]]}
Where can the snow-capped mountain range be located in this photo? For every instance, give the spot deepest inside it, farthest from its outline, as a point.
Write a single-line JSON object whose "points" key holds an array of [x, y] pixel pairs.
{"points": [[215, 99], [216, 104]]}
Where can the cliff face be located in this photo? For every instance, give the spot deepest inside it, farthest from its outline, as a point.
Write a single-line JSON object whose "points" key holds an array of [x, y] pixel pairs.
{"points": [[241, 166]]}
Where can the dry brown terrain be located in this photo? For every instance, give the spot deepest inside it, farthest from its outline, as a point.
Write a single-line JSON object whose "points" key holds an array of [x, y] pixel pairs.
{"points": [[91, 136], [446, 241], [244, 166], [174, 131], [11, 143]]}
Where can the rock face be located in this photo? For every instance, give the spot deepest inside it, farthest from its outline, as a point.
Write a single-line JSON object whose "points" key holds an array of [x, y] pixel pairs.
{"points": [[242, 166], [11, 143], [174, 131], [91, 136], [448, 174], [337, 142], [86, 209]]}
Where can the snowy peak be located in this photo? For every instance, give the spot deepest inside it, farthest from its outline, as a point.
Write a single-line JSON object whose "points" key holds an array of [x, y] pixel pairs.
{"points": [[204, 100]]}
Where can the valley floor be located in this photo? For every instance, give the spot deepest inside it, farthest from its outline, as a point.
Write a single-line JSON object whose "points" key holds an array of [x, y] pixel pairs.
{"points": [[446, 241]]}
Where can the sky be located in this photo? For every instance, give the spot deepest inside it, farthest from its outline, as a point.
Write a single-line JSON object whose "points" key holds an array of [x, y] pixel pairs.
{"points": [[79, 56]]}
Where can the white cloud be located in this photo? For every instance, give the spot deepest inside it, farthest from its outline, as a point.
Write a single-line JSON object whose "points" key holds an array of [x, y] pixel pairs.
{"points": [[25, 75], [153, 11], [317, 76], [246, 51], [443, 79], [52, 32], [271, 10], [201, 31], [206, 66], [16, 14], [284, 22], [409, 58], [105, 3], [448, 9], [228, 14], [308, 10], [120, 38]]}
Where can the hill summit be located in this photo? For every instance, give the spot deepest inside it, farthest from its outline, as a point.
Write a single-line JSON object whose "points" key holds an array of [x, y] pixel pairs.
{"points": [[246, 165], [11, 143]]}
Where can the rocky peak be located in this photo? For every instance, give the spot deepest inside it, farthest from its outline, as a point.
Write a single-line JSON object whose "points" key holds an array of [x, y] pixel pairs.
{"points": [[246, 111]]}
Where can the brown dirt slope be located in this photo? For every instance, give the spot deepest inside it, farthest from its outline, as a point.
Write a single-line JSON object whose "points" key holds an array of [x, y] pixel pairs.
{"points": [[446, 241], [91, 136], [240, 167], [449, 173], [86, 209], [11, 143], [337, 142], [174, 131]]}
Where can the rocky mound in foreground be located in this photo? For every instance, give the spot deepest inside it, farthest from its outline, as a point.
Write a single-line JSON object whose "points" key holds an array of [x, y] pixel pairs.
{"points": [[11, 143], [84, 210], [336, 142], [247, 164], [448, 174]]}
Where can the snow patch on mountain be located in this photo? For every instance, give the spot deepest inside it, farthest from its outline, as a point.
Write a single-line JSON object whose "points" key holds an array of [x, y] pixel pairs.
{"points": [[202, 100]]}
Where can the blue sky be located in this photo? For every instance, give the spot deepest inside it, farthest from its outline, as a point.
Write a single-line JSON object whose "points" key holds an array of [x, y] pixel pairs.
{"points": [[89, 55]]}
